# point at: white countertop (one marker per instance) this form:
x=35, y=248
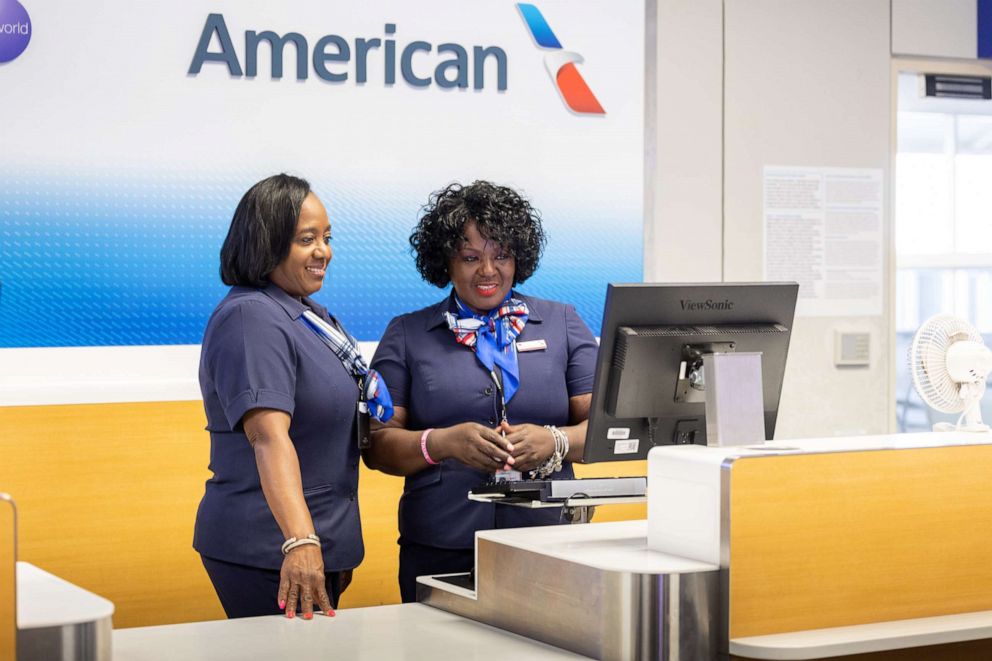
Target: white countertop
x=617, y=546
x=825, y=444
x=865, y=638
x=44, y=600
x=411, y=632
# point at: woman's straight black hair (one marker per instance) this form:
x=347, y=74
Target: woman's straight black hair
x=262, y=229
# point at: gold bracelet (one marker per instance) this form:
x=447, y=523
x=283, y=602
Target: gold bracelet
x=293, y=542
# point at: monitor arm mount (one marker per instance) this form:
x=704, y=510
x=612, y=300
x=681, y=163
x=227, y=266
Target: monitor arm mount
x=691, y=385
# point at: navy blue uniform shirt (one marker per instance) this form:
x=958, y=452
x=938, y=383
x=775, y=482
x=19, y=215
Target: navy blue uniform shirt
x=441, y=383
x=258, y=354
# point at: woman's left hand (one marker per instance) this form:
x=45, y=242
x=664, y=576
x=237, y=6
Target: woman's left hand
x=532, y=444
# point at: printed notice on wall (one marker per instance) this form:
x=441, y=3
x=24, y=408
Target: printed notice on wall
x=823, y=229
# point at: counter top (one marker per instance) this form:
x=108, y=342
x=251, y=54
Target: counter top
x=865, y=638
x=617, y=546
x=412, y=632
x=44, y=600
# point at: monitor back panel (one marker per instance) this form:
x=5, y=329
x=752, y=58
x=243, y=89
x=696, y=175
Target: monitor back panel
x=615, y=437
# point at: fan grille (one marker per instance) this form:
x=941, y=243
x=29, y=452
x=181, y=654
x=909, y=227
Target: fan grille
x=928, y=361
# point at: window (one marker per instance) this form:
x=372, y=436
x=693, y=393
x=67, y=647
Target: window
x=943, y=228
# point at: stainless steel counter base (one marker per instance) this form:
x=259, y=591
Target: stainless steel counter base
x=606, y=614
x=85, y=641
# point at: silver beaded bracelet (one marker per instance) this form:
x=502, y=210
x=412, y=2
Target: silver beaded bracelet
x=553, y=463
x=294, y=542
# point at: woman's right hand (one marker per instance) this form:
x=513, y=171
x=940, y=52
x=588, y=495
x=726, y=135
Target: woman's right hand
x=472, y=444
x=301, y=580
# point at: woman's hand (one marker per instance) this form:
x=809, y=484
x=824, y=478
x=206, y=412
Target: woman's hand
x=474, y=445
x=532, y=444
x=302, y=580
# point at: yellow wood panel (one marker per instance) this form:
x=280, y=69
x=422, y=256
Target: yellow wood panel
x=848, y=538
x=106, y=498
x=108, y=493
x=8, y=558
x=375, y=580
x=616, y=469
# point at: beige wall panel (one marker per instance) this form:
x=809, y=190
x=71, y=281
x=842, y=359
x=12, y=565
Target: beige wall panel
x=807, y=83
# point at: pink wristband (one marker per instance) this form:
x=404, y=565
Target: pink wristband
x=423, y=446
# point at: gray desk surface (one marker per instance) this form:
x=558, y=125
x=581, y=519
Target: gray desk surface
x=410, y=632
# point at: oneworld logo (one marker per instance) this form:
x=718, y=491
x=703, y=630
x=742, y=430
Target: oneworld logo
x=15, y=29
x=336, y=59
x=708, y=304
x=560, y=64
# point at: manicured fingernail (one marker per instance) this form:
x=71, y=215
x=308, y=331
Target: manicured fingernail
x=290, y=614
x=330, y=612
x=308, y=616
x=511, y=460
x=282, y=604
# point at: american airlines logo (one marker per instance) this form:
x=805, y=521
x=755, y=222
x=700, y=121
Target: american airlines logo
x=560, y=63
x=709, y=304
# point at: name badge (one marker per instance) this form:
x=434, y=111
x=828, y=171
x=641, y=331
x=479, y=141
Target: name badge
x=531, y=345
x=362, y=425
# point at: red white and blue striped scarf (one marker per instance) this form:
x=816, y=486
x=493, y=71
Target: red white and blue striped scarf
x=492, y=337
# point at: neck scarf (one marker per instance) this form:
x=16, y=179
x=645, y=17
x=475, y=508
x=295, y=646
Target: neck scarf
x=492, y=337
x=345, y=347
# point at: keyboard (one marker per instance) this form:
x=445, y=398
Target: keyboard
x=560, y=490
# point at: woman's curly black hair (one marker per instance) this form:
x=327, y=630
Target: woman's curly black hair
x=501, y=215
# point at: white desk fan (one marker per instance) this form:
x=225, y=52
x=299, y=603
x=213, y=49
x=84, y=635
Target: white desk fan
x=949, y=363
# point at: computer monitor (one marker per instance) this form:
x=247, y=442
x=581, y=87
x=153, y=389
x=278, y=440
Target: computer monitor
x=649, y=388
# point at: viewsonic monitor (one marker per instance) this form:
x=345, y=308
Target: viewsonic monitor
x=649, y=388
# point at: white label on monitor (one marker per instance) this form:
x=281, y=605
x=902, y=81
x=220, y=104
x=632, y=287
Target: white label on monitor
x=613, y=433
x=626, y=447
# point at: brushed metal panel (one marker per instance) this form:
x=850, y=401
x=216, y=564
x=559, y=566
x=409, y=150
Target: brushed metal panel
x=610, y=615
x=85, y=641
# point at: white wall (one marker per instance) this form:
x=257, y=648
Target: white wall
x=935, y=28
x=807, y=83
x=684, y=244
x=748, y=83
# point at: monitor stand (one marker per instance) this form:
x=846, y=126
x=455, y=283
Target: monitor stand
x=735, y=412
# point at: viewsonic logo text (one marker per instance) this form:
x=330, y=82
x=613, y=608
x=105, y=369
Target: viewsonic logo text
x=709, y=304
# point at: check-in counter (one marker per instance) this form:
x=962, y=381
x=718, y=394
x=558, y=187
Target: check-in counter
x=595, y=589
x=854, y=548
x=873, y=547
x=42, y=617
x=59, y=621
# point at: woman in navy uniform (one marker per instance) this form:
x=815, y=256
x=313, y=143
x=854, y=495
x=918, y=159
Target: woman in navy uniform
x=278, y=527
x=486, y=380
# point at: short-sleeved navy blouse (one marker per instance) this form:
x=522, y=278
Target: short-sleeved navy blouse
x=441, y=383
x=257, y=353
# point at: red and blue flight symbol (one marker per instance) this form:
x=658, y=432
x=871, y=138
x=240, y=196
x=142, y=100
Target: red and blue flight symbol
x=560, y=64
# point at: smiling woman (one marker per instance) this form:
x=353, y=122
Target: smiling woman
x=301, y=273
x=285, y=392
x=486, y=381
